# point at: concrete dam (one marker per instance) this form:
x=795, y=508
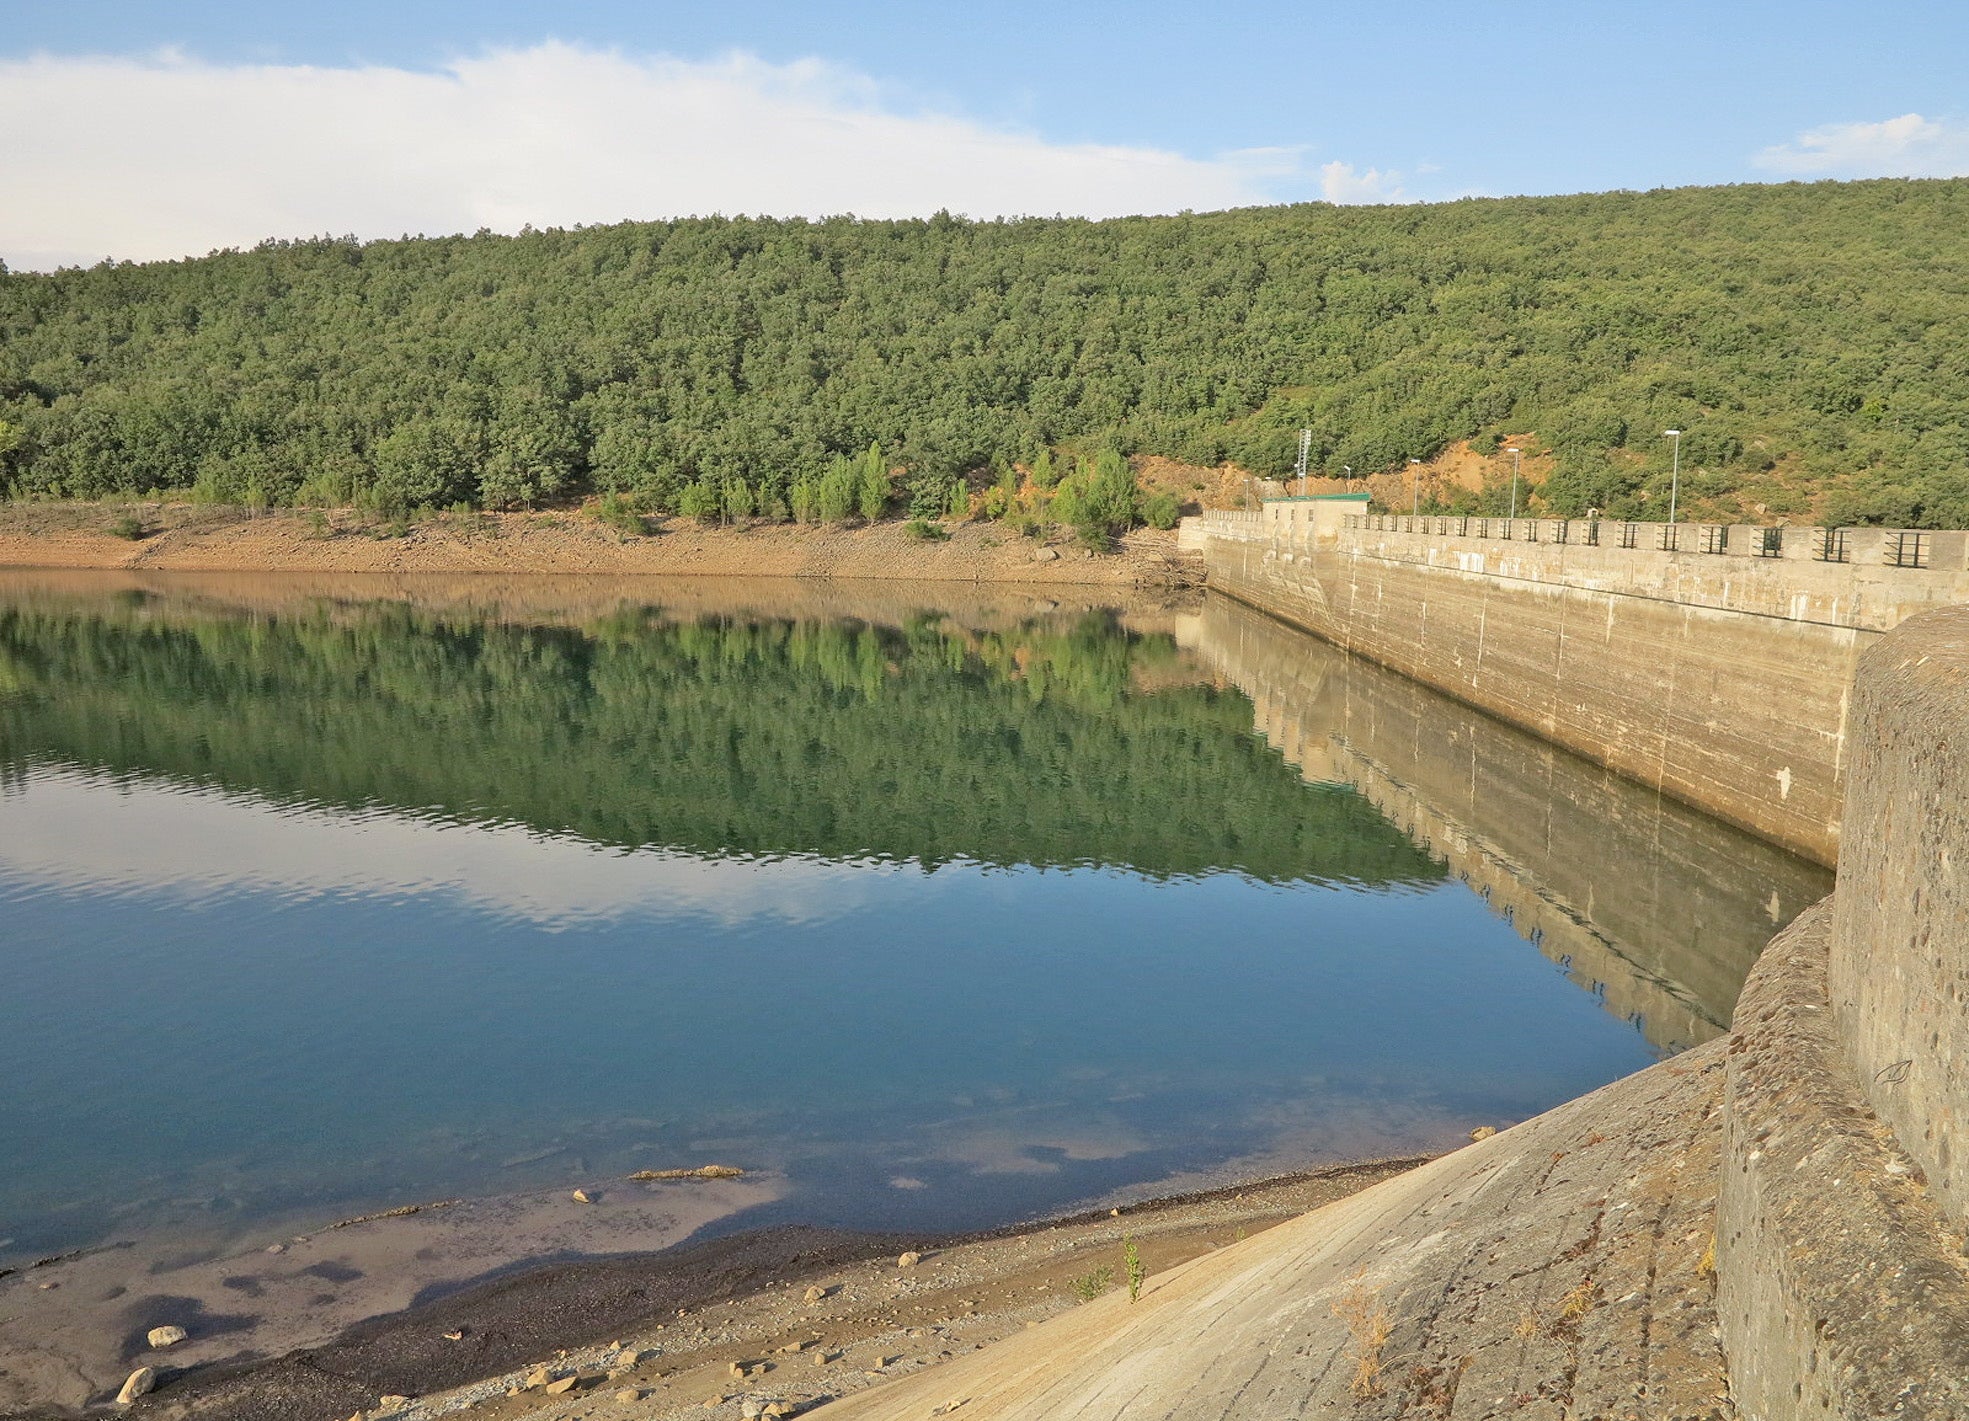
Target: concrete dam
x=1713, y=664
x=1768, y=1224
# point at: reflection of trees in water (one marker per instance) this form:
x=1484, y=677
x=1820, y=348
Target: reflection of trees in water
x=754, y=735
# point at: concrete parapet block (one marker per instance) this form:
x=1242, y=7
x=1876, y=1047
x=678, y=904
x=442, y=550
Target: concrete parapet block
x=1841, y=1290
x=1899, y=971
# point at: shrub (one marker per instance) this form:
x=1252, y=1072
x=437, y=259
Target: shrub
x=698, y=499
x=806, y=499
x=620, y=514
x=1090, y=1285
x=128, y=526
x=1161, y=510
x=923, y=531
x=836, y=499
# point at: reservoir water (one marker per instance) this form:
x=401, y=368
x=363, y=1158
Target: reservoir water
x=938, y=909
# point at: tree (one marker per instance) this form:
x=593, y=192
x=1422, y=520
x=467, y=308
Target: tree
x=872, y=487
x=428, y=463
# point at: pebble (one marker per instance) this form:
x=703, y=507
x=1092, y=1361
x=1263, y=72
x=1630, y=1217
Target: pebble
x=394, y=1400
x=909, y=1260
x=539, y=1376
x=139, y=1384
x=457, y=1334
x=276, y=1248
x=1046, y=555
x=629, y=1394
x=563, y=1386
x=815, y=1294
x=1483, y=1132
x=581, y=1196
x=167, y=1336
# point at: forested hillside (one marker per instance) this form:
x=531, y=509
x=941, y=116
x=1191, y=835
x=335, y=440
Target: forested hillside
x=1811, y=340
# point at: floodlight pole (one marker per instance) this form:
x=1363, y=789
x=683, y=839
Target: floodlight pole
x=1517, y=463
x=1675, y=479
x=1414, y=487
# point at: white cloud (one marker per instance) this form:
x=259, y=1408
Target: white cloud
x=166, y=156
x=1906, y=147
x=1342, y=182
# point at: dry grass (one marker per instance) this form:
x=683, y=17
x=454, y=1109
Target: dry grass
x=1368, y=1324
x=1577, y=1303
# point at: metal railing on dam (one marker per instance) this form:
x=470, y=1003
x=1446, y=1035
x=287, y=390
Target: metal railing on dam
x=1883, y=547
x=1871, y=579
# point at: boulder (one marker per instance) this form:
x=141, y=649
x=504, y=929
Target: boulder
x=140, y=1383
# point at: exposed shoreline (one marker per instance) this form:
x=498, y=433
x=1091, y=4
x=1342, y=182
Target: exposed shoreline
x=463, y=1344
x=189, y=538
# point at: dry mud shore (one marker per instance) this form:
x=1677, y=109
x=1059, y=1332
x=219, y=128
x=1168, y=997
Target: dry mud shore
x=720, y=1327
x=187, y=538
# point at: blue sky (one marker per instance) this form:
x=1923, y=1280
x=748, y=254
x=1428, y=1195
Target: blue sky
x=1103, y=106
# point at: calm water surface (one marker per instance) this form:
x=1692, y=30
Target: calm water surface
x=318, y=900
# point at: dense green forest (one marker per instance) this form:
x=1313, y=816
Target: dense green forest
x=926, y=742
x=1812, y=341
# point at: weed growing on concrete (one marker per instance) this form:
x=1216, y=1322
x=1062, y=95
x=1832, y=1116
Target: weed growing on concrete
x=1132, y=1257
x=1368, y=1324
x=1090, y=1285
x=1577, y=1303
x=1706, y=1265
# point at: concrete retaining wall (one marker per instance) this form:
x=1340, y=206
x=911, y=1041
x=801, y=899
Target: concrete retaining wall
x=1742, y=716
x=1899, y=972
x=1843, y=1288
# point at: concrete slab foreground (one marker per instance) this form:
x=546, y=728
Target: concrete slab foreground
x=1563, y=1268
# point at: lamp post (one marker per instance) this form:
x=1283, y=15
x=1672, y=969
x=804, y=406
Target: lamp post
x=1414, y=487
x=1348, y=470
x=1517, y=463
x=1675, y=479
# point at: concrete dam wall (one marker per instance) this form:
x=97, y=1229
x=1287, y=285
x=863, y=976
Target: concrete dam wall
x=1711, y=664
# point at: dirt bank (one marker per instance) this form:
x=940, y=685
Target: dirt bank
x=184, y=537
x=690, y=1315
